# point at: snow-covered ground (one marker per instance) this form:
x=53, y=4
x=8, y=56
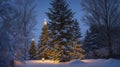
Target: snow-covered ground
x=74, y=63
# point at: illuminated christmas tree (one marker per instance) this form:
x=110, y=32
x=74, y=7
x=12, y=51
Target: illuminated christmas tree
x=64, y=29
x=43, y=44
x=32, y=50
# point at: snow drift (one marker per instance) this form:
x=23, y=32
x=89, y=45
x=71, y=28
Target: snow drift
x=75, y=63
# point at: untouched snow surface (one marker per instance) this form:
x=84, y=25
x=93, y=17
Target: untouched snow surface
x=74, y=63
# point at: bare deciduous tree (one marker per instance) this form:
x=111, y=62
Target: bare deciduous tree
x=105, y=14
x=7, y=15
x=24, y=24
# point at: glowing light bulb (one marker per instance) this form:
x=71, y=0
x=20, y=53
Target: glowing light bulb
x=45, y=22
x=33, y=39
x=43, y=59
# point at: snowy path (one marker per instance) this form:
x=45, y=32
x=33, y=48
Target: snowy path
x=76, y=63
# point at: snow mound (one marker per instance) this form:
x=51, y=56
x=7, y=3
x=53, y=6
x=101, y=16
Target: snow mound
x=76, y=62
x=113, y=60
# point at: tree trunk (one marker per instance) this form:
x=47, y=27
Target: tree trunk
x=108, y=29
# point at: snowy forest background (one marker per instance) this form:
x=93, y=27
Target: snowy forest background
x=60, y=38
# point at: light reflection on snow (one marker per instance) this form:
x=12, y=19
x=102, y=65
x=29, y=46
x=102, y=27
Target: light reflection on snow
x=87, y=60
x=41, y=61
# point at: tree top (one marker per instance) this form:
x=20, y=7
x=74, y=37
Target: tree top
x=45, y=22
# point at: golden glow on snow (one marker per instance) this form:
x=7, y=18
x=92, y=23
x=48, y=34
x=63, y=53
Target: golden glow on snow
x=87, y=60
x=45, y=61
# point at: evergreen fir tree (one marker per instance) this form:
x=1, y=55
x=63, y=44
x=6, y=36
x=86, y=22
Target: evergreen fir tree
x=62, y=28
x=93, y=42
x=33, y=50
x=76, y=32
x=43, y=45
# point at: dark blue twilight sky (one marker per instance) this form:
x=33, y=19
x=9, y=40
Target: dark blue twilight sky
x=42, y=7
